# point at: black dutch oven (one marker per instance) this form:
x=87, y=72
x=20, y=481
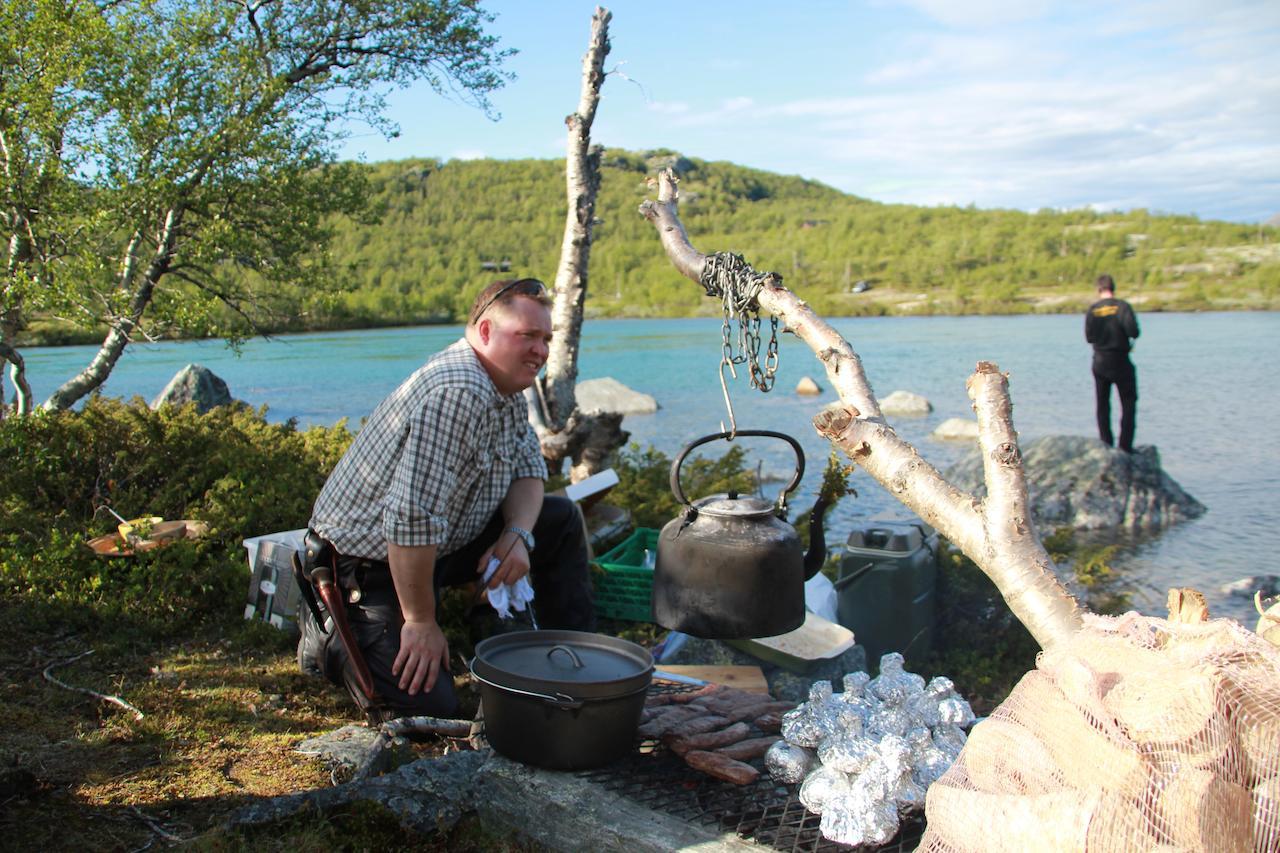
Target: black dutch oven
x=564, y=700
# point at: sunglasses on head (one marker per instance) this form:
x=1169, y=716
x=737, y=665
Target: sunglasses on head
x=521, y=287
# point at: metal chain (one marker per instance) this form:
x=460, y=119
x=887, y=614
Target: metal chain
x=730, y=277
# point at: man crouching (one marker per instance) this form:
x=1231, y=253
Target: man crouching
x=445, y=474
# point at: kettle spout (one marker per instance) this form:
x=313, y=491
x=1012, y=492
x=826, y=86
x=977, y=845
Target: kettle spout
x=817, y=554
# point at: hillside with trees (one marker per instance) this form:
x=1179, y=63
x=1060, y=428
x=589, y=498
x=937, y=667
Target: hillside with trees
x=448, y=227
x=439, y=230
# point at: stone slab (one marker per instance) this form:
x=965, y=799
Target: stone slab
x=561, y=811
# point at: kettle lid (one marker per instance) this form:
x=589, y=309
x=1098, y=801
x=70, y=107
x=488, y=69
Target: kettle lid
x=733, y=505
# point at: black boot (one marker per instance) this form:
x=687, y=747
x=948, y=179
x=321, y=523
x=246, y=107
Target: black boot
x=313, y=643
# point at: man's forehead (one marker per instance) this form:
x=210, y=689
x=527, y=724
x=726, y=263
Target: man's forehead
x=525, y=314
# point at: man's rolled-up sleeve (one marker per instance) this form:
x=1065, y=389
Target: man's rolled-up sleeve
x=426, y=476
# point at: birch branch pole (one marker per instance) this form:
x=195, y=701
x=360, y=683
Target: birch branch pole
x=582, y=184
x=563, y=431
x=997, y=534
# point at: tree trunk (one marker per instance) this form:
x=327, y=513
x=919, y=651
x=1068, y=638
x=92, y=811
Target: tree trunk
x=104, y=360
x=562, y=430
x=997, y=534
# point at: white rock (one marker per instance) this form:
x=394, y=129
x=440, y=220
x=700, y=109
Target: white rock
x=807, y=386
x=610, y=395
x=957, y=429
x=905, y=403
x=1268, y=585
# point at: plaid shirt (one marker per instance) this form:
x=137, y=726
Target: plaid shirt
x=432, y=463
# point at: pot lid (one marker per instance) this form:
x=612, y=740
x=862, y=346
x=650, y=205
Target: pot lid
x=733, y=505
x=574, y=663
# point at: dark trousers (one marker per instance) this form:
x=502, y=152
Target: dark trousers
x=1109, y=370
x=561, y=582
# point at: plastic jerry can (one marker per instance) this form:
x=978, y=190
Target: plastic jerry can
x=886, y=588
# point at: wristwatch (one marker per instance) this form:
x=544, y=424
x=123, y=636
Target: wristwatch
x=524, y=535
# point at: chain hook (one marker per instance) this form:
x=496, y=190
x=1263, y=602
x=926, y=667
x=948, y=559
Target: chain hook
x=728, y=404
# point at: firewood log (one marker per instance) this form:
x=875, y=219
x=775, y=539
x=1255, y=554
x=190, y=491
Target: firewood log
x=1087, y=752
x=1003, y=757
x=978, y=821
x=1266, y=815
x=1178, y=712
x=1202, y=811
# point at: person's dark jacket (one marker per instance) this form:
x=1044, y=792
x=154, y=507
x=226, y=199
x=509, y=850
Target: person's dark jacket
x=1110, y=325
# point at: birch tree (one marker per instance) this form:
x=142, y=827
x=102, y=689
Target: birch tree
x=996, y=533
x=198, y=140
x=564, y=431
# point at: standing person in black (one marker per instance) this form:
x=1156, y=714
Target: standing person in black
x=1110, y=326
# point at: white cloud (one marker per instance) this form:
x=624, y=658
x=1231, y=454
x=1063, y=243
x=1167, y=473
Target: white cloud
x=667, y=107
x=1050, y=118
x=468, y=154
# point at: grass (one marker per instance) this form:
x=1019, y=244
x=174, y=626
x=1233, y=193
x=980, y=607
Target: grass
x=224, y=711
x=223, y=714
x=221, y=717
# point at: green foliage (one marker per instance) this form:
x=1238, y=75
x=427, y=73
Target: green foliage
x=944, y=260
x=644, y=477
x=176, y=160
x=229, y=468
x=1090, y=565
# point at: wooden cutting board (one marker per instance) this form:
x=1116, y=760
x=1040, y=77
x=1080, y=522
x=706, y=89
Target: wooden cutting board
x=749, y=678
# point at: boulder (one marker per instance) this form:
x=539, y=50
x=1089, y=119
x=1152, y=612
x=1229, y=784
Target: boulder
x=610, y=395
x=905, y=403
x=1268, y=585
x=807, y=386
x=194, y=384
x=957, y=429
x=1082, y=483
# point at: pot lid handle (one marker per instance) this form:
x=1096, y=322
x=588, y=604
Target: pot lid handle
x=573, y=656
x=560, y=700
x=782, y=497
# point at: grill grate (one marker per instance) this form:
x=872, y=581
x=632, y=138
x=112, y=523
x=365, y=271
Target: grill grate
x=764, y=812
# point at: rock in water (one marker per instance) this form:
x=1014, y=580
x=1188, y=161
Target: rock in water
x=807, y=386
x=194, y=384
x=1079, y=482
x=610, y=395
x=957, y=429
x=906, y=403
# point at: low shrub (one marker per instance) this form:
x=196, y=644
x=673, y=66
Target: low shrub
x=229, y=468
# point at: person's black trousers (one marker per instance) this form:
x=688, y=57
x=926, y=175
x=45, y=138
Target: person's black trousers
x=559, y=574
x=1115, y=369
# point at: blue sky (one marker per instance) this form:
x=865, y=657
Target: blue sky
x=1173, y=106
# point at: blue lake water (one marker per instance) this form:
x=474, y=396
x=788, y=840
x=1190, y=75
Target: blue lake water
x=1207, y=388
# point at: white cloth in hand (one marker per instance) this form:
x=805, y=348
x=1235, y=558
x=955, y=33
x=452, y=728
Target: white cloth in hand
x=509, y=595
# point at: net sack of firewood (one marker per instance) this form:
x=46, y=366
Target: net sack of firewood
x=1135, y=734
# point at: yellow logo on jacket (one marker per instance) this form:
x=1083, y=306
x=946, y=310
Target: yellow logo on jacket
x=1105, y=310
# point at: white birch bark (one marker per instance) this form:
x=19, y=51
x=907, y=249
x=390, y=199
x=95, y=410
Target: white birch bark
x=99, y=368
x=997, y=534
x=582, y=182
x=563, y=431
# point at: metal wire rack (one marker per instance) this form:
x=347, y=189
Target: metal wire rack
x=764, y=812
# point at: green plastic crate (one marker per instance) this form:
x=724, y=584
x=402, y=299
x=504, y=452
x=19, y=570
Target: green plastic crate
x=625, y=586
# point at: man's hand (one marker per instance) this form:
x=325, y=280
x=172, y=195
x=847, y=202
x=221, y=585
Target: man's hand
x=515, y=560
x=423, y=652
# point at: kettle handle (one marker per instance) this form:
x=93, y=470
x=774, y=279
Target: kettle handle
x=795, y=445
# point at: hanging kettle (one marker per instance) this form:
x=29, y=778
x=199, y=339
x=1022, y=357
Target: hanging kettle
x=728, y=566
